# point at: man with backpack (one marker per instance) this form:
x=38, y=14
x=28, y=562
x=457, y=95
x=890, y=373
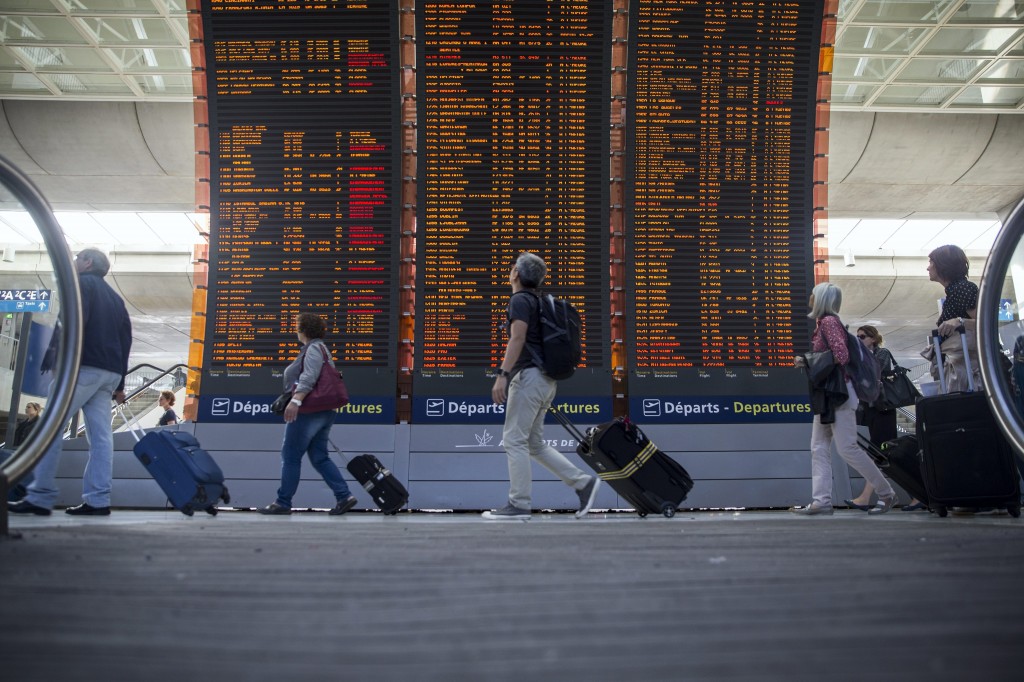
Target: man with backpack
x=528, y=391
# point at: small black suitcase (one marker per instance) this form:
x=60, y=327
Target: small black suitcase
x=387, y=492
x=966, y=459
x=900, y=460
x=632, y=465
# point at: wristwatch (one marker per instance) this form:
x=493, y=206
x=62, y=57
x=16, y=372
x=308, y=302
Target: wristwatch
x=296, y=402
x=503, y=373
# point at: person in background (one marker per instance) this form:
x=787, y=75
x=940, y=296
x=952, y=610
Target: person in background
x=830, y=334
x=25, y=426
x=308, y=432
x=881, y=423
x=167, y=402
x=948, y=265
x=106, y=343
x=527, y=393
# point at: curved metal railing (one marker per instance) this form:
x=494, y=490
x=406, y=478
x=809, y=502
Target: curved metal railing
x=997, y=388
x=66, y=371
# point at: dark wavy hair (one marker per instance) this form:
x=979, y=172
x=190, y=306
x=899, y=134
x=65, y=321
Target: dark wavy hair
x=950, y=262
x=311, y=326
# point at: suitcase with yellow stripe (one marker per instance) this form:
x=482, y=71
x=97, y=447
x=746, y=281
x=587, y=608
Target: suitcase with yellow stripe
x=632, y=465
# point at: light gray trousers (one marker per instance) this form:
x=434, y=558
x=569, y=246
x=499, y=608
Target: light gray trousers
x=529, y=395
x=844, y=433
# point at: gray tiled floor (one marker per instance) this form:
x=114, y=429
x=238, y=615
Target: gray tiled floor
x=704, y=596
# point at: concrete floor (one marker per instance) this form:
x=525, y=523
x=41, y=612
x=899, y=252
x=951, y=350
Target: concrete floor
x=747, y=595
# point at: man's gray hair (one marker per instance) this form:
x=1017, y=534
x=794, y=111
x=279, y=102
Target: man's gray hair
x=828, y=298
x=100, y=262
x=532, y=269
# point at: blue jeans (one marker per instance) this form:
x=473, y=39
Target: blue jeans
x=309, y=433
x=93, y=395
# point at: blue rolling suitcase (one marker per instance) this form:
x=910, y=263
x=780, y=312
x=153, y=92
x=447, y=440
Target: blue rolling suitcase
x=185, y=471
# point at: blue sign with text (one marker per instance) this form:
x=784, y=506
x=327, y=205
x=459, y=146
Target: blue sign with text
x=24, y=300
x=720, y=409
x=253, y=409
x=481, y=410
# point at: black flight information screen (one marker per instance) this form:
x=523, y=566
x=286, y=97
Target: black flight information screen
x=303, y=138
x=513, y=118
x=719, y=208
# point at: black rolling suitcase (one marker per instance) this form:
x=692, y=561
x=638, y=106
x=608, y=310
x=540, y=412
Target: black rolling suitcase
x=900, y=460
x=966, y=460
x=387, y=492
x=632, y=465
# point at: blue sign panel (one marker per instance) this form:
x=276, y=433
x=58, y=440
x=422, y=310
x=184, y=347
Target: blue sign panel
x=720, y=409
x=248, y=409
x=481, y=410
x=24, y=300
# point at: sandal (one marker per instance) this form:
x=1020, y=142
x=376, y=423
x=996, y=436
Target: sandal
x=917, y=506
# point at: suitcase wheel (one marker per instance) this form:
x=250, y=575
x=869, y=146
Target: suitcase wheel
x=224, y=495
x=1014, y=511
x=641, y=514
x=668, y=509
x=940, y=510
x=187, y=511
x=212, y=511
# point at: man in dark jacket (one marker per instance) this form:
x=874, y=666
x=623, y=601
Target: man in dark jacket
x=106, y=342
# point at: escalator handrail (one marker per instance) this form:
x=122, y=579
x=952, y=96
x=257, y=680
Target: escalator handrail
x=163, y=372
x=66, y=372
x=997, y=388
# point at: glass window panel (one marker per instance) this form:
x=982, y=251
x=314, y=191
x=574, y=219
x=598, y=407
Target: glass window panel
x=23, y=224
x=120, y=6
x=165, y=84
x=22, y=83
x=35, y=6
x=127, y=228
x=142, y=59
x=116, y=31
x=863, y=68
x=1017, y=49
x=958, y=70
x=915, y=94
x=80, y=83
x=972, y=41
x=914, y=234
x=173, y=228
x=879, y=39
x=80, y=228
x=845, y=7
x=46, y=58
x=961, y=232
x=17, y=29
x=838, y=228
x=990, y=96
x=1005, y=70
x=903, y=11
x=988, y=11
x=851, y=93
x=7, y=61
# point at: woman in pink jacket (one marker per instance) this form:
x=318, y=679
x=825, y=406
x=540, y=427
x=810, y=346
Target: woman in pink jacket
x=830, y=334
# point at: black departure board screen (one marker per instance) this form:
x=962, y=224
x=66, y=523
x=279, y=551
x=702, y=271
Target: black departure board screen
x=303, y=110
x=512, y=108
x=722, y=98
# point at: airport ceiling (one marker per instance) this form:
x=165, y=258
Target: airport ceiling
x=890, y=55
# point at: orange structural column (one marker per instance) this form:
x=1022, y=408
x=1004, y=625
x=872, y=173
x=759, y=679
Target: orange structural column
x=819, y=228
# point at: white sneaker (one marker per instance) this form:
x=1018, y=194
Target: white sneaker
x=507, y=513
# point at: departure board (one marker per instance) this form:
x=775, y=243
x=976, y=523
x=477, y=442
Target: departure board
x=303, y=111
x=719, y=206
x=512, y=107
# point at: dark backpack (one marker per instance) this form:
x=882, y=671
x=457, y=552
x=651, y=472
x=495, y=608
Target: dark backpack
x=560, y=337
x=863, y=369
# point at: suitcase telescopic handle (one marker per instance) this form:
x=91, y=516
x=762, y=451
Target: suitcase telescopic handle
x=569, y=426
x=338, y=450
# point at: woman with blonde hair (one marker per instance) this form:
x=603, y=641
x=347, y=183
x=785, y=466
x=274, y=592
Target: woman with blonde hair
x=836, y=421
